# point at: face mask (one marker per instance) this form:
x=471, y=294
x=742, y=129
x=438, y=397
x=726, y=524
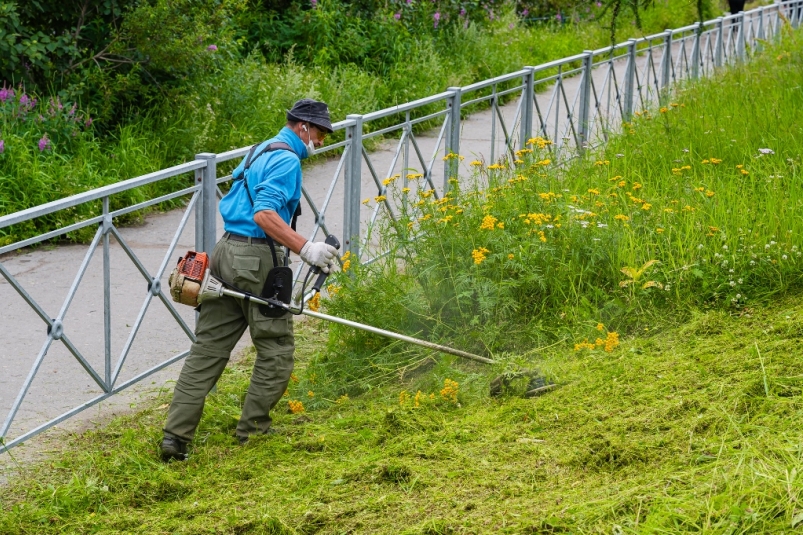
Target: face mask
x=310, y=144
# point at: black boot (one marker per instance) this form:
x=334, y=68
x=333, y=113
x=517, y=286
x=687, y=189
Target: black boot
x=173, y=448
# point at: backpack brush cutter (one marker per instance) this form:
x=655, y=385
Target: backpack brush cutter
x=192, y=283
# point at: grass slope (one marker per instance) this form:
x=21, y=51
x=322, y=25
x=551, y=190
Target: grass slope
x=680, y=428
x=691, y=430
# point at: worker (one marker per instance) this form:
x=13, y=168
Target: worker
x=257, y=215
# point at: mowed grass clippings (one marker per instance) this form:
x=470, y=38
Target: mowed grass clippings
x=692, y=430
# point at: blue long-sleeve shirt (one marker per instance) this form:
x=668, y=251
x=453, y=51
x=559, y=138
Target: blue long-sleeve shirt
x=274, y=180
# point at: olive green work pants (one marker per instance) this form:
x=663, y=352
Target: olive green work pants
x=221, y=323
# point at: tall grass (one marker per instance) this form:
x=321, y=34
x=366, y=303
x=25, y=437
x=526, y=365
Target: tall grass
x=695, y=206
x=244, y=101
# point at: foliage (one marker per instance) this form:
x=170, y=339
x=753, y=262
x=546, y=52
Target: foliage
x=672, y=432
x=524, y=253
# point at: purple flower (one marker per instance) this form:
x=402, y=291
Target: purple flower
x=599, y=4
x=24, y=100
x=437, y=17
x=510, y=26
x=6, y=94
x=2, y=146
x=559, y=17
x=525, y=12
x=397, y=16
x=88, y=122
x=44, y=143
x=409, y=2
x=313, y=3
x=462, y=12
x=212, y=48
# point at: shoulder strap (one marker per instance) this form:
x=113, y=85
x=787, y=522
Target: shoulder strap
x=250, y=159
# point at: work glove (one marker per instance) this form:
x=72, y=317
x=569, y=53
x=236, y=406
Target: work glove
x=319, y=254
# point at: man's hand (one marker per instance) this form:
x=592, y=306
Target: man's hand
x=319, y=254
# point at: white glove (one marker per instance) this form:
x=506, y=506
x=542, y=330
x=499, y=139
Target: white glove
x=319, y=254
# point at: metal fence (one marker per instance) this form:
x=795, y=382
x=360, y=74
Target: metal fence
x=577, y=102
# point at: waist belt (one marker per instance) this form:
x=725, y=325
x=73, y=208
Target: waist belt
x=247, y=239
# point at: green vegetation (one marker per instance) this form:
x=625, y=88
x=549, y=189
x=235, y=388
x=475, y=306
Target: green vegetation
x=682, y=417
x=214, y=89
x=684, y=211
x=692, y=430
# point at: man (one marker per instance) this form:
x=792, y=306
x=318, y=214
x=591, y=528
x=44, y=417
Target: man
x=258, y=208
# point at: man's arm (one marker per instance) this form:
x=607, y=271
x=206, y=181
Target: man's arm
x=275, y=227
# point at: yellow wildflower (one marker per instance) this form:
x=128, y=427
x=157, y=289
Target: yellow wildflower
x=314, y=304
x=593, y=191
x=405, y=190
x=600, y=327
x=542, y=236
x=709, y=193
x=380, y=198
x=611, y=341
x=659, y=230
x=295, y=406
x=310, y=393
x=476, y=163
x=449, y=391
x=511, y=256
x=621, y=217
x=636, y=185
x=404, y=397
x=479, y=255
x=488, y=222
x=366, y=201
x=646, y=206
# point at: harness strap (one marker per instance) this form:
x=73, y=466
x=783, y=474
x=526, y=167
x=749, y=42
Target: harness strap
x=250, y=159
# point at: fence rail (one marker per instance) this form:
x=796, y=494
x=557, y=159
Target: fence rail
x=577, y=102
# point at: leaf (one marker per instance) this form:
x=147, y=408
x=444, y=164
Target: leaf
x=648, y=264
x=797, y=519
x=630, y=272
x=623, y=284
x=652, y=284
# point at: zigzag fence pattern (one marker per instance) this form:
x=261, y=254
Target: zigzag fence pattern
x=614, y=83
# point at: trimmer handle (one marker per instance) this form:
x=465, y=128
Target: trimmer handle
x=333, y=241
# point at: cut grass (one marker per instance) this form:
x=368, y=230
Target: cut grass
x=672, y=432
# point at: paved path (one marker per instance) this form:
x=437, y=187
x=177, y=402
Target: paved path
x=47, y=273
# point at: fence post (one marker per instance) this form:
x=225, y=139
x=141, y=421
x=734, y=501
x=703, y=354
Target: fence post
x=741, y=44
x=760, y=34
x=352, y=186
x=583, y=128
x=666, y=70
x=630, y=80
x=452, y=167
x=526, y=130
x=695, y=52
x=208, y=201
x=720, y=43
